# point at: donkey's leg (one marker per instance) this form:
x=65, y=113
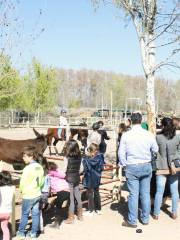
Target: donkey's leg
x=50, y=153
x=63, y=149
x=55, y=148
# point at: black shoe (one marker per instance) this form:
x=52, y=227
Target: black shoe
x=144, y=223
x=126, y=224
x=55, y=225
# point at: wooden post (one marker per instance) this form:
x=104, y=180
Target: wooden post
x=13, y=216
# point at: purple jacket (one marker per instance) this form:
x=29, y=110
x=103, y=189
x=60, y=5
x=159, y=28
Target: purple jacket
x=57, y=181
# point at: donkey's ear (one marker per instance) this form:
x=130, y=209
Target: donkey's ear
x=36, y=132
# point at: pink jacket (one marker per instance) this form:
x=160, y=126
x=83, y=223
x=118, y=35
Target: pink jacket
x=57, y=181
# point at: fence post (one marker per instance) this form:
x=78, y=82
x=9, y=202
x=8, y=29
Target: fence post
x=13, y=216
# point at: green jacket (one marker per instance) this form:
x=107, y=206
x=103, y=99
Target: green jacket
x=32, y=181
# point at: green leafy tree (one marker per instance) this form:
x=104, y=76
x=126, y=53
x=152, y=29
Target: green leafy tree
x=10, y=84
x=45, y=87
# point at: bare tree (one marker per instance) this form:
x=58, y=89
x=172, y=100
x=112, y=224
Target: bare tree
x=157, y=25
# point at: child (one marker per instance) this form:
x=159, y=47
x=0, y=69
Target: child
x=46, y=186
x=58, y=185
x=45, y=189
x=6, y=197
x=31, y=183
x=72, y=162
x=93, y=166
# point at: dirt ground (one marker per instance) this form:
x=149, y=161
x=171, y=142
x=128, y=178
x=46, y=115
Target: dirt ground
x=108, y=225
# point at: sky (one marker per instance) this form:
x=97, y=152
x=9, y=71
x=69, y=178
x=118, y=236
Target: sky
x=76, y=36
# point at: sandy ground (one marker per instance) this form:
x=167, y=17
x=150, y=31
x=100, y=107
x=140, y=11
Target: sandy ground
x=108, y=225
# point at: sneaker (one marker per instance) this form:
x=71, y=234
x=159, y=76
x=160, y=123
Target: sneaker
x=19, y=236
x=31, y=236
x=98, y=212
x=88, y=214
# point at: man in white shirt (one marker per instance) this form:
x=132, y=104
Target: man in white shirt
x=62, y=123
x=62, y=119
x=134, y=153
x=94, y=136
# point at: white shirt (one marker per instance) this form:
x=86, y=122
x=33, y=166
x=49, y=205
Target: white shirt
x=63, y=121
x=6, y=198
x=136, y=146
x=94, y=137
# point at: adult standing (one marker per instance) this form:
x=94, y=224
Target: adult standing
x=62, y=119
x=63, y=123
x=169, y=146
x=135, y=154
x=94, y=136
x=122, y=129
x=104, y=136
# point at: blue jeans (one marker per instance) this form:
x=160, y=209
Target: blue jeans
x=27, y=206
x=138, y=177
x=160, y=186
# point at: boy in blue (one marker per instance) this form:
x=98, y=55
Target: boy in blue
x=93, y=166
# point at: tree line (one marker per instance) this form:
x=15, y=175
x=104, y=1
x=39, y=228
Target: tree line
x=44, y=88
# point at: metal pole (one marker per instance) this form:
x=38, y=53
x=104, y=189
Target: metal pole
x=111, y=106
x=126, y=109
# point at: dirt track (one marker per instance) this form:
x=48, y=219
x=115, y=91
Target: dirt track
x=108, y=225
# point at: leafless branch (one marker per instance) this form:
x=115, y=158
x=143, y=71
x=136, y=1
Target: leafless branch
x=163, y=31
x=166, y=61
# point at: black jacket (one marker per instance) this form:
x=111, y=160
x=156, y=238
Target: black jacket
x=72, y=172
x=104, y=136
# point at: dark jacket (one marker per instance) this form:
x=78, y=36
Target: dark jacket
x=168, y=151
x=92, y=170
x=72, y=172
x=104, y=136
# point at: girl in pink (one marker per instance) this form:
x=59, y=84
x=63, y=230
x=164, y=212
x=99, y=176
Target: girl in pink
x=6, y=197
x=59, y=186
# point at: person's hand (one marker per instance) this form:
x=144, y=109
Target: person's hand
x=81, y=178
x=173, y=170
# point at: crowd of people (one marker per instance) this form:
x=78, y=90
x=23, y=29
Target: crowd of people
x=135, y=148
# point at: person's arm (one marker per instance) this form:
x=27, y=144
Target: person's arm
x=65, y=164
x=57, y=173
x=81, y=170
x=23, y=180
x=154, y=146
x=122, y=152
x=106, y=137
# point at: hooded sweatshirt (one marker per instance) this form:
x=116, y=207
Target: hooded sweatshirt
x=93, y=167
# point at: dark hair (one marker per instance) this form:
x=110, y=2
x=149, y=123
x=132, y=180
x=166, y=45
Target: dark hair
x=169, y=129
x=72, y=149
x=123, y=127
x=95, y=126
x=30, y=151
x=43, y=162
x=63, y=111
x=136, y=118
x=5, y=178
x=100, y=122
x=52, y=166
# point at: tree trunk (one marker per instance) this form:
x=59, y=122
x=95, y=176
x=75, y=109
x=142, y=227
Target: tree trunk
x=150, y=78
x=150, y=102
x=148, y=62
